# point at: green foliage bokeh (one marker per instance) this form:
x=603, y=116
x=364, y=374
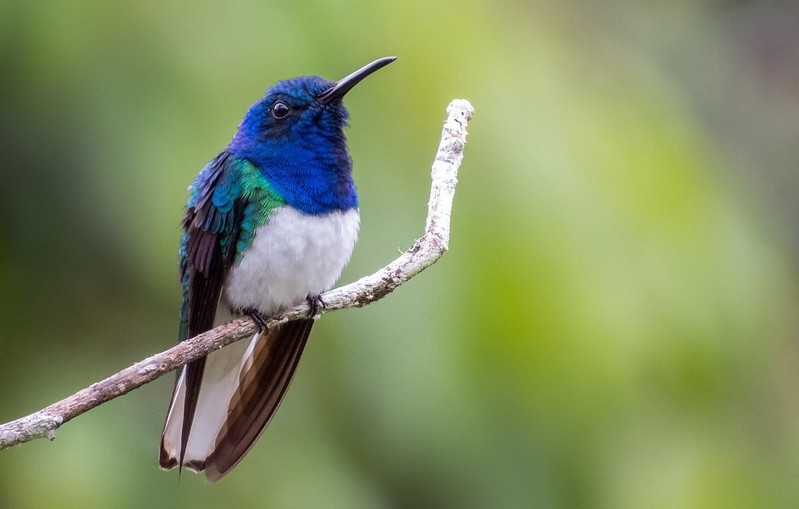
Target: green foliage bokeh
x=613, y=327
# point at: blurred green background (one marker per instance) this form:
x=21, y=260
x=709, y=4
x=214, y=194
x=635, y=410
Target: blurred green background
x=615, y=325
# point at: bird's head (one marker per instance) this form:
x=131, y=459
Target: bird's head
x=299, y=117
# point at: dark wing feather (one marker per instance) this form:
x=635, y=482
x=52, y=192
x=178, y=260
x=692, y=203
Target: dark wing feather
x=211, y=227
x=260, y=392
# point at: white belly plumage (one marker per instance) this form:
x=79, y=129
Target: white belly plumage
x=294, y=255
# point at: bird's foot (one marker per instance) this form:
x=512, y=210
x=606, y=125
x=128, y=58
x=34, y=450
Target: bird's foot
x=258, y=318
x=316, y=303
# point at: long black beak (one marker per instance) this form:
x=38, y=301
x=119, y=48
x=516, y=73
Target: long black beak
x=344, y=85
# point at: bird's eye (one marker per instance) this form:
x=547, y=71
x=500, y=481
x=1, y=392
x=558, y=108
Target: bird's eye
x=280, y=110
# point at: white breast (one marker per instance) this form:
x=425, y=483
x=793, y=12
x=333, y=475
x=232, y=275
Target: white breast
x=294, y=255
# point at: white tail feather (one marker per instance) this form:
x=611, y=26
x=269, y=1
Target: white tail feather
x=220, y=380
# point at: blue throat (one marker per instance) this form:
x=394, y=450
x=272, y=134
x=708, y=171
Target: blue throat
x=314, y=182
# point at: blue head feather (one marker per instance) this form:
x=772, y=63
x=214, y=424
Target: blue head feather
x=302, y=155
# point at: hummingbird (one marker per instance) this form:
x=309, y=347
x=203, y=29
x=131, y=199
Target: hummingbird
x=270, y=222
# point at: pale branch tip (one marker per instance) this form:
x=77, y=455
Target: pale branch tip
x=424, y=252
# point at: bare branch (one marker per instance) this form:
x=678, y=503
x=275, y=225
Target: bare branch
x=424, y=252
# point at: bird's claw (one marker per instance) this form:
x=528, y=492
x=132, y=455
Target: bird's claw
x=258, y=318
x=316, y=303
